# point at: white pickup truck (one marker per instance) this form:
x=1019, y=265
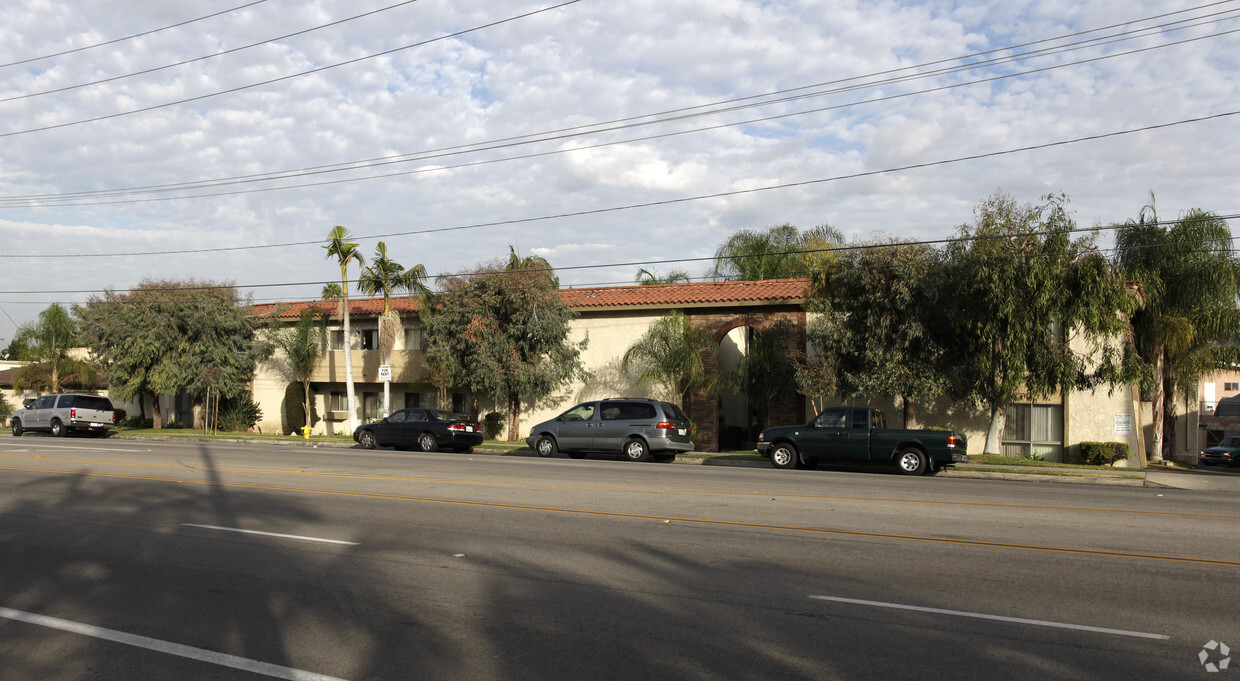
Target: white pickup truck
x=60, y=413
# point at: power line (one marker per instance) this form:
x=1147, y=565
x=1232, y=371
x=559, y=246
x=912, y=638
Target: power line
x=650, y=204
x=209, y=56
x=128, y=37
x=76, y=198
x=290, y=76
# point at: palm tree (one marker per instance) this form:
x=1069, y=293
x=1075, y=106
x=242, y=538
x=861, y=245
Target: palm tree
x=345, y=251
x=48, y=340
x=779, y=252
x=647, y=278
x=669, y=355
x=1190, y=277
x=383, y=276
x=301, y=347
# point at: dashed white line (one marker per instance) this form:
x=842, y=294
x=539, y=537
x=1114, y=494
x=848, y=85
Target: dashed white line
x=271, y=534
x=208, y=656
x=999, y=618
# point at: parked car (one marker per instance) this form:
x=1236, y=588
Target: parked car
x=61, y=413
x=861, y=434
x=1225, y=452
x=426, y=429
x=638, y=428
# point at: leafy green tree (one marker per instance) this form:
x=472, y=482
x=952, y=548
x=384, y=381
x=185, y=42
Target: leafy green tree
x=1190, y=277
x=299, y=349
x=345, y=252
x=882, y=299
x=382, y=277
x=171, y=337
x=502, y=330
x=646, y=277
x=49, y=341
x=669, y=356
x=1017, y=289
x=779, y=252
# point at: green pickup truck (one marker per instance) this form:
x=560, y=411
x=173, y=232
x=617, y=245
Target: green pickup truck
x=861, y=434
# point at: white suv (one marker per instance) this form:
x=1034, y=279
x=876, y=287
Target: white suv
x=60, y=413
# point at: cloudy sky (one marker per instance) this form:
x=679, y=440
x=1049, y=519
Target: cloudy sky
x=222, y=140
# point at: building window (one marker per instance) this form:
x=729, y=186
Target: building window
x=1034, y=431
x=337, y=401
x=413, y=400
x=1231, y=387
x=413, y=338
x=370, y=339
x=335, y=339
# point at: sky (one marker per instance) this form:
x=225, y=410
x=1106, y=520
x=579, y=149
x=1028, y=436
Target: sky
x=221, y=140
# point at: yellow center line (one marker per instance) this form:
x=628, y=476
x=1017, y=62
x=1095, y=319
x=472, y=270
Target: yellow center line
x=612, y=488
x=668, y=519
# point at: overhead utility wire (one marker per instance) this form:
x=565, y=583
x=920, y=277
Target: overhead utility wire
x=209, y=56
x=128, y=37
x=290, y=76
x=651, y=204
x=840, y=248
x=77, y=200
x=595, y=128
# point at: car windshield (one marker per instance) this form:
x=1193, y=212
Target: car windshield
x=1230, y=442
x=448, y=416
x=676, y=412
x=91, y=402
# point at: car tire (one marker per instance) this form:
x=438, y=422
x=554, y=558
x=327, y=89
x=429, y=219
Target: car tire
x=784, y=455
x=545, y=446
x=16, y=424
x=366, y=439
x=426, y=442
x=57, y=429
x=576, y=455
x=912, y=461
x=636, y=449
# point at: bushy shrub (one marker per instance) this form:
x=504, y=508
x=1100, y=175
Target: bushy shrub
x=6, y=409
x=493, y=424
x=239, y=414
x=121, y=415
x=1104, y=453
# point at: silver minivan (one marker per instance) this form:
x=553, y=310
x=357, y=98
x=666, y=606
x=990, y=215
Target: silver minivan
x=638, y=428
x=60, y=413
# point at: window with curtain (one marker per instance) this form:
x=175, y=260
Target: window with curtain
x=1034, y=430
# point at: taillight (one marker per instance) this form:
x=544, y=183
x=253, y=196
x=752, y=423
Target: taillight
x=456, y=426
x=113, y=417
x=73, y=413
x=951, y=440
x=666, y=425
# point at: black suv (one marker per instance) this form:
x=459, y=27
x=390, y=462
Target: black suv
x=638, y=428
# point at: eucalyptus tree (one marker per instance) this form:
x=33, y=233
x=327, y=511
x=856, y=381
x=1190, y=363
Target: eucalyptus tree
x=669, y=356
x=49, y=341
x=382, y=277
x=1017, y=289
x=882, y=300
x=300, y=347
x=647, y=277
x=345, y=252
x=503, y=330
x=1190, y=279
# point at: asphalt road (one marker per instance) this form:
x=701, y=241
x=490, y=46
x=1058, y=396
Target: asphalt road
x=124, y=559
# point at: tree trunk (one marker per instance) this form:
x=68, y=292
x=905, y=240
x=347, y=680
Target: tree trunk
x=200, y=419
x=350, y=395
x=306, y=387
x=994, y=436
x=1168, y=450
x=514, y=418
x=910, y=413
x=1156, y=409
x=157, y=414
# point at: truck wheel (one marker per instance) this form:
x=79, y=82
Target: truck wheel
x=545, y=446
x=784, y=455
x=912, y=461
x=17, y=427
x=58, y=428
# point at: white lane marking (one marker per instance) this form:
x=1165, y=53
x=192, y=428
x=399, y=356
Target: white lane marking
x=1000, y=618
x=208, y=656
x=69, y=447
x=271, y=534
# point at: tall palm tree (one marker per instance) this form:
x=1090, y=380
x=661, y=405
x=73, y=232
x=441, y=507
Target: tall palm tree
x=383, y=276
x=646, y=277
x=49, y=340
x=301, y=346
x=345, y=251
x=669, y=355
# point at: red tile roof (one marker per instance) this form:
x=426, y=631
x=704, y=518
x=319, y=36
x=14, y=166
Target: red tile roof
x=703, y=294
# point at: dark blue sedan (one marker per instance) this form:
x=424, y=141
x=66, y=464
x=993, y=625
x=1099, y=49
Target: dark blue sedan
x=426, y=429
